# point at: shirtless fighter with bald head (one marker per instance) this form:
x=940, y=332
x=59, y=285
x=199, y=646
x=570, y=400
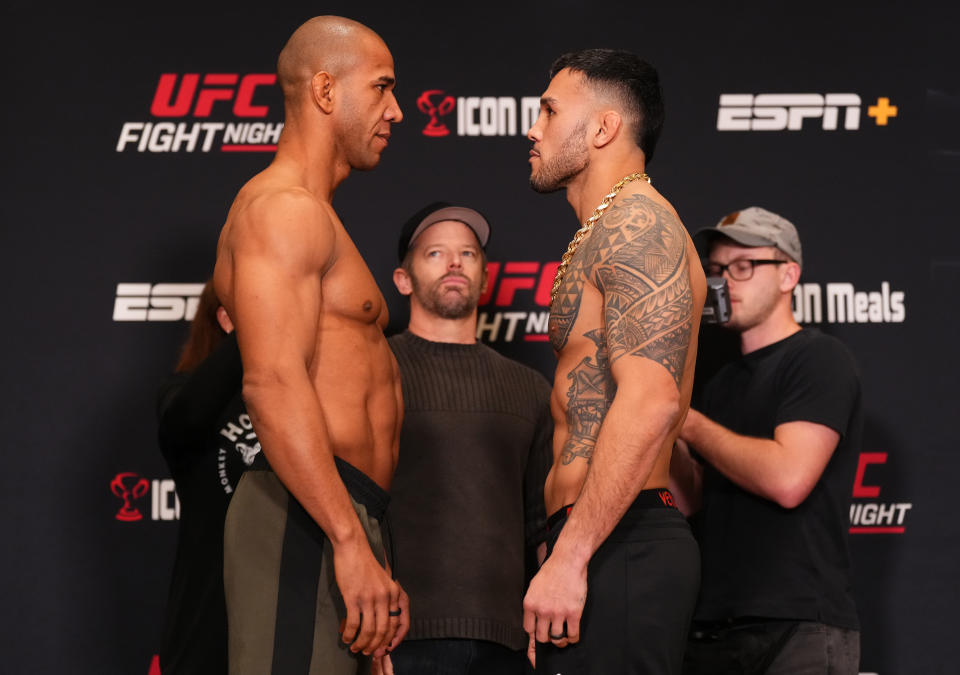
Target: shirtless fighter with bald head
x=304, y=557
x=616, y=592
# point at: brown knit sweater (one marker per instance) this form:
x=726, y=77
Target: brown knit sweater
x=466, y=505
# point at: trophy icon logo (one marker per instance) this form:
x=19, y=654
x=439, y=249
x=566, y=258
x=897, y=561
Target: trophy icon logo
x=129, y=486
x=427, y=105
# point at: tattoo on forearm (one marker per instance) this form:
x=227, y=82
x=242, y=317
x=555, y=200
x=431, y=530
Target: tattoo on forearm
x=588, y=399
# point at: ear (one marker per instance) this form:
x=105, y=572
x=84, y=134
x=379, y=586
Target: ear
x=402, y=281
x=791, y=276
x=608, y=128
x=322, y=88
x=224, y=320
x=483, y=281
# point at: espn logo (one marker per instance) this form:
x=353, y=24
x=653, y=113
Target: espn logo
x=156, y=302
x=777, y=112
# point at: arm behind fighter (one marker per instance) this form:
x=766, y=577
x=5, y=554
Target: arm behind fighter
x=784, y=469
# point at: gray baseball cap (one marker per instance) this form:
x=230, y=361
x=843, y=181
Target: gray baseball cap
x=753, y=226
x=433, y=213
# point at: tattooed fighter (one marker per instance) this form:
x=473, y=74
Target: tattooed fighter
x=617, y=590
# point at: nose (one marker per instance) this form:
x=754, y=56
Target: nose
x=393, y=112
x=534, y=134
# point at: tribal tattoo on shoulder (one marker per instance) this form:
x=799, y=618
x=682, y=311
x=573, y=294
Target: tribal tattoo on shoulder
x=588, y=399
x=637, y=256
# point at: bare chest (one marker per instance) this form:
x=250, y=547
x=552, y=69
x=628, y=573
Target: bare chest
x=350, y=292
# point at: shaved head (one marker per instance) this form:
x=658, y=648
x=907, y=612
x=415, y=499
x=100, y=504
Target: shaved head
x=330, y=43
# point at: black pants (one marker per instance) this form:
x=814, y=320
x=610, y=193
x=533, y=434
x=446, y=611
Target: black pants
x=642, y=585
x=450, y=656
x=757, y=646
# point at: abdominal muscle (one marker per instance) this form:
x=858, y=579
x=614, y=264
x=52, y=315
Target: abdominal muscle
x=355, y=377
x=565, y=481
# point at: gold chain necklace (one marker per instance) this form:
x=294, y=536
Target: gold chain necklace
x=587, y=227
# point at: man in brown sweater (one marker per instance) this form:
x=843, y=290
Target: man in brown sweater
x=466, y=509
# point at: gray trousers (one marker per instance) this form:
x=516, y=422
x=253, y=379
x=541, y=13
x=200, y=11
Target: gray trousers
x=284, y=609
x=815, y=649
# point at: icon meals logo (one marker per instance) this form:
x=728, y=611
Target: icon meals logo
x=846, y=304
x=199, y=97
x=130, y=488
x=779, y=112
x=478, y=115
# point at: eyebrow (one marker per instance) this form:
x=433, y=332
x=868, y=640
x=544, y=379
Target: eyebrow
x=547, y=100
x=384, y=79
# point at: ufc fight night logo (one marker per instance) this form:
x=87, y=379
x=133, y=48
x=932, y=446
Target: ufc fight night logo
x=873, y=517
x=239, y=101
x=512, y=287
x=796, y=112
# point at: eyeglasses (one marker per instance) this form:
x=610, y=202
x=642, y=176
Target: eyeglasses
x=740, y=269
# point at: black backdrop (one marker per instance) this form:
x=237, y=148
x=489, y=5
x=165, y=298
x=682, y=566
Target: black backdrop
x=95, y=231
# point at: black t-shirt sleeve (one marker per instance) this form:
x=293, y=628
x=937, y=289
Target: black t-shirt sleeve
x=189, y=405
x=819, y=383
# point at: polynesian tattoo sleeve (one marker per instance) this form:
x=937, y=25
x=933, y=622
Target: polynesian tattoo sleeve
x=637, y=257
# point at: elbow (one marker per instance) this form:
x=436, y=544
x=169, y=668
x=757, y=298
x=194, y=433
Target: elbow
x=671, y=410
x=257, y=387
x=663, y=413
x=791, y=492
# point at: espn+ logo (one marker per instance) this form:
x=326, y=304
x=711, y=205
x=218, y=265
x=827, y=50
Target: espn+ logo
x=788, y=112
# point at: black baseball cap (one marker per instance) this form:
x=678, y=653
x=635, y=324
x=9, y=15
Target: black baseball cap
x=431, y=214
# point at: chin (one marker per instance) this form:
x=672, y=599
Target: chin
x=539, y=186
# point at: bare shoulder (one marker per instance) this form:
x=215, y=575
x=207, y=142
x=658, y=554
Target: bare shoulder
x=641, y=264
x=283, y=222
x=642, y=218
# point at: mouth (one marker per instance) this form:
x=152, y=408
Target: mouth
x=457, y=281
x=534, y=154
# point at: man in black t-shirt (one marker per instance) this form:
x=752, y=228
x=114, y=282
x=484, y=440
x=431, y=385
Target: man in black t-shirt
x=777, y=439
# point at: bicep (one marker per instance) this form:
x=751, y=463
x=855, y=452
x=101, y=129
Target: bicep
x=275, y=311
x=648, y=301
x=276, y=292
x=809, y=446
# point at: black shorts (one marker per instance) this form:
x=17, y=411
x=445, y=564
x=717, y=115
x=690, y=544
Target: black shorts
x=642, y=586
x=283, y=605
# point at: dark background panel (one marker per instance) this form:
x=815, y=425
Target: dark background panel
x=84, y=592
